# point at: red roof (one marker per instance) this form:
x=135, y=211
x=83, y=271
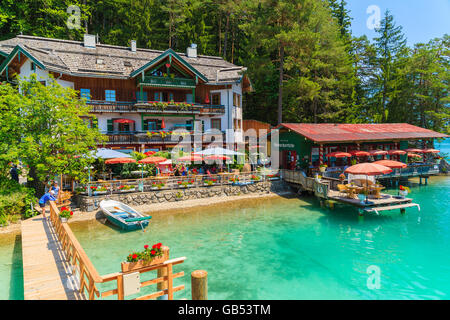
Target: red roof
x=331, y=132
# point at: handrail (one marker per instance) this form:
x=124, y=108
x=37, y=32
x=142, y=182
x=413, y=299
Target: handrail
x=88, y=275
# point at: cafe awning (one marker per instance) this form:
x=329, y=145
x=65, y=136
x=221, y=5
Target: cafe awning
x=124, y=121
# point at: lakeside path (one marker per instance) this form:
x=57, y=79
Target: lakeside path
x=165, y=207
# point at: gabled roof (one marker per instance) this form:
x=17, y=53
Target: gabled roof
x=333, y=132
x=168, y=53
x=73, y=58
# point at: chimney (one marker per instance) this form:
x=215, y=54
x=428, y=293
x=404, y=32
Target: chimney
x=89, y=41
x=191, y=51
x=133, y=46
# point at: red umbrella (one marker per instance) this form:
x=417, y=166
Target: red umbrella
x=190, y=158
x=430, y=151
x=149, y=153
x=414, y=155
x=120, y=160
x=153, y=160
x=163, y=124
x=378, y=152
x=359, y=153
x=217, y=157
x=391, y=164
x=368, y=169
x=339, y=154
x=396, y=152
x=413, y=150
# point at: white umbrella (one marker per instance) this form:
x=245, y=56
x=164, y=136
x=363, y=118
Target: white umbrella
x=218, y=151
x=109, y=154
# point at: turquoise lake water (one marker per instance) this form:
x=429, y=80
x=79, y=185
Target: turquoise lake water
x=283, y=249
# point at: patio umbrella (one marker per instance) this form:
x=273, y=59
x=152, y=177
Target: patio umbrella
x=339, y=154
x=149, y=153
x=119, y=160
x=396, y=152
x=378, y=152
x=368, y=169
x=190, y=158
x=218, y=151
x=414, y=155
x=105, y=153
x=153, y=160
x=391, y=164
x=217, y=157
x=430, y=151
x=413, y=150
x=359, y=153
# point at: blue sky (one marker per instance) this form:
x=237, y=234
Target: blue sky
x=422, y=20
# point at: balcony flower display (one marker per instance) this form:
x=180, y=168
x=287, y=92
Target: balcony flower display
x=186, y=183
x=210, y=182
x=157, y=185
x=323, y=167
x=80, y=190
x=65, y=214
x=125, y=188
x=255, y=177
x=273, y=176
x=234, y=180
x=157, y=254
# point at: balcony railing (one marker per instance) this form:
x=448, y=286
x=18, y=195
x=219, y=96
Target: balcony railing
x=167, y=82
x=134, y=137
x=155, y=107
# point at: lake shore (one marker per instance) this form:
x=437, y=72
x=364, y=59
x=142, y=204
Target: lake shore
x=165, y=207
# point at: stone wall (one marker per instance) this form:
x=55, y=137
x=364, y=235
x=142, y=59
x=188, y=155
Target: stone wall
x=86, y=203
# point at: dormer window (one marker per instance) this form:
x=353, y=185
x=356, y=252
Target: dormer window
x=99, y=61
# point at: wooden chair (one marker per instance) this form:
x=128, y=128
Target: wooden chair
x=64, y=199
x=343, y=191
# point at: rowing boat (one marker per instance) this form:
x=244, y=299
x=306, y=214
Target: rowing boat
x=123, y=216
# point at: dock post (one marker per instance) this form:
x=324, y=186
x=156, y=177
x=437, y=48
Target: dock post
x=426, y=181
x=162, y=272
x=360, y=213
x=402, y=210
x=420, y=180
x=199, y=285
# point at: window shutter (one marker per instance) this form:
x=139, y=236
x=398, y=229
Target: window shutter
x=110, y=125
x=158, y=125
x=145, y=125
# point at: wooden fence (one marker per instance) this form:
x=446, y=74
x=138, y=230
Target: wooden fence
x=89, y=277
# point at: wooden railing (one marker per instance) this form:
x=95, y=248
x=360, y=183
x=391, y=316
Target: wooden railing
x=178, y=182
x=89, y=277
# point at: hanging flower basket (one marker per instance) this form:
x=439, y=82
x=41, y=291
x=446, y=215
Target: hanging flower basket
x=149, y=257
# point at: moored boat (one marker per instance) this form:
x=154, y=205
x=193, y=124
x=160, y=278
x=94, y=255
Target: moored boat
x=123, y=216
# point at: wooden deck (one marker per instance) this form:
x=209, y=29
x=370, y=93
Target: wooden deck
x=46, y=273
x=386, y=200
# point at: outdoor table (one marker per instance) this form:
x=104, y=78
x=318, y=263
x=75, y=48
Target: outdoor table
x=352, y=191
x=377, y=189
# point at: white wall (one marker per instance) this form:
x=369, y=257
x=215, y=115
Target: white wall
x=42, y=75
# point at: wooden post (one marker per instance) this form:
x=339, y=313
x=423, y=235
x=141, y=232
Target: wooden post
x=199, y=285
x=120, y=293
x=162, y=272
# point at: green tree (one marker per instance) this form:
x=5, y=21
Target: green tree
x=47, y=130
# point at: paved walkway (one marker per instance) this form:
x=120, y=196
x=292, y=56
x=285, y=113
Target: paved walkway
x=46, y=273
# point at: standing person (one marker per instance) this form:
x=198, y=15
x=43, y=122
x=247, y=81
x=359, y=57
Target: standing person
x=48, y=196
x=13, y=172
x=55, y=189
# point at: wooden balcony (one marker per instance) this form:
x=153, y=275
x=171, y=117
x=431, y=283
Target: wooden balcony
x=139, y=137
x=167, y=82
x=100, y=106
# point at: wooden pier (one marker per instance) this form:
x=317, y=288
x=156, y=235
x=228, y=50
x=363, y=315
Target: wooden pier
x=46, y=273
x=324, y=190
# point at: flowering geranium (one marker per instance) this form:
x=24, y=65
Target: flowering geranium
x=210, y=181
x=255, y=178
x=65, y=213
x=147, y=255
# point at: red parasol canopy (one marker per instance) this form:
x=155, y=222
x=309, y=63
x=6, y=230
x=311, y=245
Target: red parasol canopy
x=378, y=152
x=119, y=160
x=163, y=124
x=123, y=121
x=414, y=155
x=396, y=152
x=430, y=151
x=339, y=154
x=413, y=150
x=190, y=158
x=369, y=169
x=153, y=160
x=391, y=164
x=217, y=157
x=149, y=153
x=359, y=153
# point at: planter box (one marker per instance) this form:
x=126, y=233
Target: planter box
x=128, y=190
x=156, y=188
x=63, y=220
x=100, y=192
x=184, y=187
x=208, y=185
x=130, y=266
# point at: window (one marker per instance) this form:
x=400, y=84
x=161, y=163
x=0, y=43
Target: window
x=189, y=98
x=215, y=98
x=237, y=123
x=216, y=124
x=110, y=95
x=144, y=95
x=236, y=99
x=85, y=93
x=171, y=96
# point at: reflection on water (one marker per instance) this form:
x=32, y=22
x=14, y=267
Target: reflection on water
x=11, y=270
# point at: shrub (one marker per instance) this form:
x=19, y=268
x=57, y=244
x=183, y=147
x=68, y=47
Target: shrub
x=15, y=200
